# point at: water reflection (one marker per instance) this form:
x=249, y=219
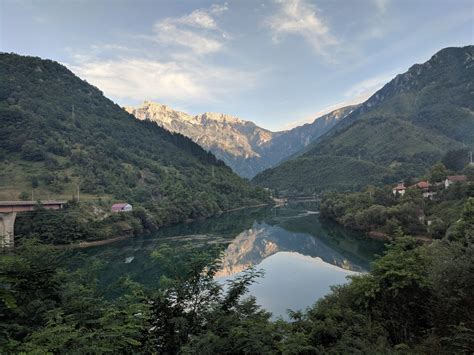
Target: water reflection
x=261, y=241
x=295, y=281
x=301, y=255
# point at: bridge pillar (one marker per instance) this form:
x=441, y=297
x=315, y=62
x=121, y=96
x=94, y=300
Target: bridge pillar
x=7, y=225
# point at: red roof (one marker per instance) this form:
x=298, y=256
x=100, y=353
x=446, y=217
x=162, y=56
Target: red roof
x=119, y=205
x=457, y=178
x=423, y=184
x=400, y=187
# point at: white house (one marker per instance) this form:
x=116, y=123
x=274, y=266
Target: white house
x=454, y=179
x=399, y=189
x=121, y=207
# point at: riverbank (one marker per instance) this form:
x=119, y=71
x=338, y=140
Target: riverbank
x=99, y=242
x=385, y=237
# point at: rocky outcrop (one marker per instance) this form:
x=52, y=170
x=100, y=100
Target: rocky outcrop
x=247, y=148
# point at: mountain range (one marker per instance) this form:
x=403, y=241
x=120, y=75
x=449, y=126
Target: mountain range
x=247, y=148
x=59, y=133
x=397, y=133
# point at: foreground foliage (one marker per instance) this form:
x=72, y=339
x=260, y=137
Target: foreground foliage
x=417, y=299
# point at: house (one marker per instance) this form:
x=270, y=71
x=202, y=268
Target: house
x=429, y=194
x=454, y=179
x=121, y=207
x=422, y=185
x=399, y=189
x=426, y=188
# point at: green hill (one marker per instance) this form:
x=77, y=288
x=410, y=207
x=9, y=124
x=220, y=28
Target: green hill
x=401, y=130
x=58, y=133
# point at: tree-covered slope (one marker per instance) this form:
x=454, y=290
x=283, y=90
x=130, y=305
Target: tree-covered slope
x=404, y=127
x=58, y=133
x=307, y=174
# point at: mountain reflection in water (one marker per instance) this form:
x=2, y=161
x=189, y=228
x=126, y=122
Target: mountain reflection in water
x=301, y=255
x=301, y=262
x=261, y=241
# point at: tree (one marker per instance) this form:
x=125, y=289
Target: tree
x=456, y=160
x=438, y=172
x=24, y=196
x=32, y=151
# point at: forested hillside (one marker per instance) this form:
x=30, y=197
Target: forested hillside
x=401, y=130
x=60, y=135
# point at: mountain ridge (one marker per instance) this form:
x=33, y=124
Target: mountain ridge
x=241, y=144
x=405, y=127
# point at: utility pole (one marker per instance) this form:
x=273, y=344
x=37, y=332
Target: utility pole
x=470, y=154
x=78, y=192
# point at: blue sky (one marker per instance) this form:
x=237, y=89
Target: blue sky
x=277, y=63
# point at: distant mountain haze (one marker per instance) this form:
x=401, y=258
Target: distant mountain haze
x=398, y=132
x=247, y=148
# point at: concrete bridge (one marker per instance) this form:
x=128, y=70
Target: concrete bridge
x=8, y=211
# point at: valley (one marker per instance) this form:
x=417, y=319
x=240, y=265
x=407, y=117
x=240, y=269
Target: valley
x=180, y=233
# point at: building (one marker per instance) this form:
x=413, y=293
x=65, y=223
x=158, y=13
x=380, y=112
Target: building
x=454, y=179
x=399, y=189
x=422, y=185
x=426, y=188
x=121, y=207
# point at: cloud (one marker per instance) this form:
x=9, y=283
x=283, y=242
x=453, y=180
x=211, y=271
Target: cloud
x=367, y=87
x=356, y=94
x=169, y=65
x=197, y=31
x=381, y=5
x=166, y=81
x=310, y=118
x=299, y=18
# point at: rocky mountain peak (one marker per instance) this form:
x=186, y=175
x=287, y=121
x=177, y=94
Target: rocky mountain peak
x=244, y=146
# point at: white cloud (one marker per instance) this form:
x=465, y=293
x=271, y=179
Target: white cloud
x=197, y=31
x=185, y=82
x=356, y=94
x=381, y=5
x=197, y=18
x=309, y=118
x=297, y=17
x=169, y=65
x=367, y=87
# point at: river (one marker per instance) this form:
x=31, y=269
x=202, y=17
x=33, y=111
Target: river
x=301, y=256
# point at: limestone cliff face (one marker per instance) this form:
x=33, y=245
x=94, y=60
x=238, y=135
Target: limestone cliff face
x=247, y=148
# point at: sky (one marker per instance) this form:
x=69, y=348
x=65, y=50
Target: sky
x=276, y=63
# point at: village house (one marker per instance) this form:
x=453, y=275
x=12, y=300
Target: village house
x=121, y=207
x=399, y=189
x=454, y=179
x=426, y=189
x=422, y=185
